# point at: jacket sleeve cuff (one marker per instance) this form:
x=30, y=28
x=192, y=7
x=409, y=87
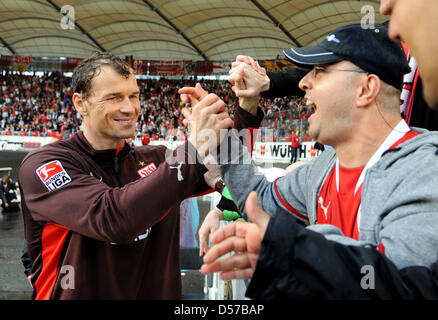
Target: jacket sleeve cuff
x=243, y=119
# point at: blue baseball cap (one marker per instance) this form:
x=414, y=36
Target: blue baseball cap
x=369, y=49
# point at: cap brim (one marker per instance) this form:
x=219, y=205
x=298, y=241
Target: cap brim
x=307, y=57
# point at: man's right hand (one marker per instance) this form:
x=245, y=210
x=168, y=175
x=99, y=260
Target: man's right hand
x=248, y=80
x=247, y=71
x=209, y=119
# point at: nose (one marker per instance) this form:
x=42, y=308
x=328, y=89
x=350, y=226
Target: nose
x=393, y=31
x=129, y=106
x=386, y=7
x=305, y=83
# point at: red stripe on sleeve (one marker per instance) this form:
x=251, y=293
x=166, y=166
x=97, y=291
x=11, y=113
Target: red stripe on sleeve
x=381, y=248
x=52, y=243
x=288, y=207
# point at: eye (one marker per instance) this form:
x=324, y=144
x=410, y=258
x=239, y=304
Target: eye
x=317, y=70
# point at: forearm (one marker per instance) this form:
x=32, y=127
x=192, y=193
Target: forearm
x=296, y=263
x=240, y=174
x=243, y=119
x=92, y=208
x=285, y=83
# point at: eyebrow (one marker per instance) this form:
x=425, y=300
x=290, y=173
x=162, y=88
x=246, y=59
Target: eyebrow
x=118, y=94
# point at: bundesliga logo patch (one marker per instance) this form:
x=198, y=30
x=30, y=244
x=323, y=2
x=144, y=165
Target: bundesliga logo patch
x=147, y=170
x=53, y=175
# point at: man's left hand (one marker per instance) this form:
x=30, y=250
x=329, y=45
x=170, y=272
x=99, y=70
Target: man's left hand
x=243, y=237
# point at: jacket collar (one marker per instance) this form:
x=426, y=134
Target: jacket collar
x=102, y=157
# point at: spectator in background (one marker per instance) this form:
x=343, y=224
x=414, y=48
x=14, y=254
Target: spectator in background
x=145, y=139
x=45, y=103
x=7, y=193
x=295, y=144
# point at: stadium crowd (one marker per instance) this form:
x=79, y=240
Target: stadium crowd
x=42, y=106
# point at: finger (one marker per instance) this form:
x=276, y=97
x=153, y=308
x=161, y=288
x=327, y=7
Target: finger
x=224, y=247
x=226, y=231
x=235, y=65
x=202, y=241
x=185, y=98
x=259, y=69
x=234, y=74
x=236, y=78
x=187, y=90
x=243, y=92
x=236, y=274
x=244, y=59
x=211, y=104
x=187, y=113
x=255, y=65
x=225, y=123
x=223, y=116
x=194, y=94
x=200, y=91
x=256, y=213
x=189, y=95
x=235, y=229
x=236, y=261
x=240, y=79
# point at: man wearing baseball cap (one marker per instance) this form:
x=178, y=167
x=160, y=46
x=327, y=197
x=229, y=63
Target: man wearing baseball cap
x=373, y=192
x=369, y=49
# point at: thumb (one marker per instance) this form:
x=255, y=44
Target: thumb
x=187, y=113
x=240, y=83
x=184, y=98
x=200, y=91
x=256, y=213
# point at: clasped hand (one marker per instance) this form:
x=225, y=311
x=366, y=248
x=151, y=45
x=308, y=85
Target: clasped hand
x=208, y=119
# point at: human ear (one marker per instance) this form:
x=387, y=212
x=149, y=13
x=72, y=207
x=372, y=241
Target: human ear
x=80, y=104
x=369, y=89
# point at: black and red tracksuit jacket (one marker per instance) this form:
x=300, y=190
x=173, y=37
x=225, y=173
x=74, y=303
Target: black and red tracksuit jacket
x=105, y=224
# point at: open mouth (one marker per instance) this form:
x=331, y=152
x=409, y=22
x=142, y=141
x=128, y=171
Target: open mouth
x=309, y=103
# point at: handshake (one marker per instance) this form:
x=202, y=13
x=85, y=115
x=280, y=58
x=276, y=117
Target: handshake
x=208, y=120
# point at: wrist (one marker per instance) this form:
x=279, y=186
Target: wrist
x=220, y=185
x=218, y=213
x=249, y=104
x=266, y=84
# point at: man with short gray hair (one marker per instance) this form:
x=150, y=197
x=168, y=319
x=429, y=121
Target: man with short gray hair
x=102, y=218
